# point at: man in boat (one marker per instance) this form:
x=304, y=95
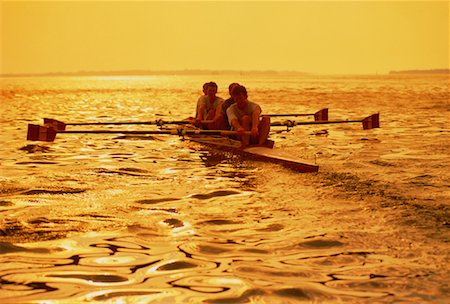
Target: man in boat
x=245, y=115
x=209, y=108
x=190, y=118
x=225, y=105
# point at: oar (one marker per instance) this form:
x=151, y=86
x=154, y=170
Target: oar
x=320, y=115
x=60, y=126
x=45, y=133
x=370, y=122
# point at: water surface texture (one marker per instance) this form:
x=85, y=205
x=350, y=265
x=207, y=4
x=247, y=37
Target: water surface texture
x=159, y=219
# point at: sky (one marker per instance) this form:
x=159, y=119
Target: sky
x=321, y=37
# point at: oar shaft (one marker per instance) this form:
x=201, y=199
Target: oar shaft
x=298, y=123
x=60, y=125
x=290, y=115
x=320, y=115
x=157, y=122
x=326, y=122
x=370, y=122
x=160, y=132
x=44, y=133
x=114, y=132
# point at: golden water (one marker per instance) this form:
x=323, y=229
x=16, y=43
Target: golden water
x=155, y=219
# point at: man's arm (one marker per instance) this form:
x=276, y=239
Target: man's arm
x=201, y=106
x=218, y=114
x=234, y=122
x=255, y=120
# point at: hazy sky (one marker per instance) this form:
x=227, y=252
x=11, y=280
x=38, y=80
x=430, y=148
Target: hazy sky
x=327, y=37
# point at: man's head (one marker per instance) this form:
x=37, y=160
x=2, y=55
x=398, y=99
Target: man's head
x=205, y=85
x=211, y=89
x=239, y=94
x=231, y=86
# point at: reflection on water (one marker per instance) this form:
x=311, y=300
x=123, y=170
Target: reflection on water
x=137, y=264
x=159, y=219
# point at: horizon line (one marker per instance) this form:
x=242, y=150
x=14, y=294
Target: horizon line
x=209, y=72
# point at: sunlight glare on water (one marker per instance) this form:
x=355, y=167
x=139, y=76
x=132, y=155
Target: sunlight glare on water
x=157, y=218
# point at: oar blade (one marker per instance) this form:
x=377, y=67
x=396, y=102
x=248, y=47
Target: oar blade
x=40, y=133
x=373, y=121
x=321, y=115
x=56, y=124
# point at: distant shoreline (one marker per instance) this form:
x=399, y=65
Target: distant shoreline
x=208, y=72
x=428, y=72
x=150, y=73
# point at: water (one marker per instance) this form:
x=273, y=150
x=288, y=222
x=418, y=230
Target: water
x=140, y=219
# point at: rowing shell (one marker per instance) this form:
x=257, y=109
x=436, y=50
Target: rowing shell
x=261, y=153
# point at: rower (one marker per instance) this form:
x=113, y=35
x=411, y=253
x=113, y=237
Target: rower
x=209, y=108
x=245, y=115
x=225, y=125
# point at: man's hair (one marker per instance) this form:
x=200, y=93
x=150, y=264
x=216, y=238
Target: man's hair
x=231, y=86
x=239, y=89
x=212, y=84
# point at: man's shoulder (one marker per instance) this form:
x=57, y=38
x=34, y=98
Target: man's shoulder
x=202, y=99
x=232, y=107
x=253, y=104
x=227, y=103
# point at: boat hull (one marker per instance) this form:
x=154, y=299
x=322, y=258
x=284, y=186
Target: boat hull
x=271, y=155
x=259, y=153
